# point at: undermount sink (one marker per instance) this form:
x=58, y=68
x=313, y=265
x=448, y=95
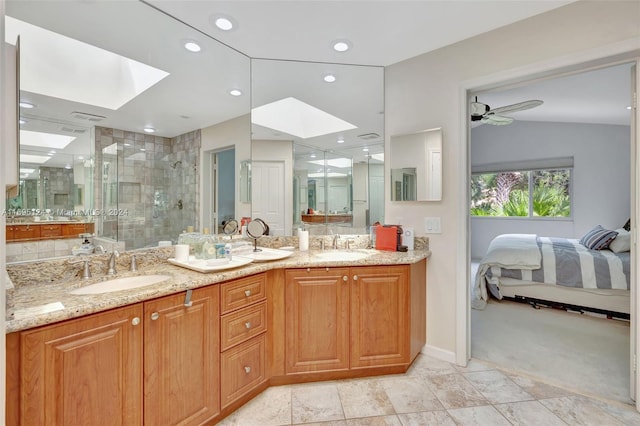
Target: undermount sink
x=118, y=284
x=342, y=255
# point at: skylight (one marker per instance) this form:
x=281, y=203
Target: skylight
x=37, y=159
x=61, y=67
x=44, y=140
x=334, y=162
x=292, y=116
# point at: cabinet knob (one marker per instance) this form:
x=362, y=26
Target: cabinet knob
x=247, y=369
x=247, y=324
x=345, y=278
x=155, y=316
x=308, y=269
x=135, y=321
x=355, y=278
x=247, y=293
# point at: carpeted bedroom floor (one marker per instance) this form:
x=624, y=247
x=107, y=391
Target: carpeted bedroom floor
x=579, y=352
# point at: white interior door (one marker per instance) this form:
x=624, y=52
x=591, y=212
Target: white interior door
x=268, y=194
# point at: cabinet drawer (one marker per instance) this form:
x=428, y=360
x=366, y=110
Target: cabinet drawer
x=242, y=292
x=242, y=369
x=50, y=230
x=25, y=232
x=242, y=325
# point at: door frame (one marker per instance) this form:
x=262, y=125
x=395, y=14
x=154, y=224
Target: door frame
x=210, y=188
x=617, y=53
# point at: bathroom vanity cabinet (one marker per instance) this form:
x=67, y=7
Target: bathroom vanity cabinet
x=347, y=318
x=192, y=361
x=46, y=231
x=157, y=359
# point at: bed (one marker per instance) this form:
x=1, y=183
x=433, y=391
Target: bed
x=557, y=272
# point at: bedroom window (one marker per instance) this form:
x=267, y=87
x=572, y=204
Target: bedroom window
x=523, y=193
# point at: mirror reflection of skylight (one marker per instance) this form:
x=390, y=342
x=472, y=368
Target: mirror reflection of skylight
x=330, y=174
x=292, y=116
x=379, y=157
x=334, y=162
x=36, y=159
x=44, y=140
x=61, y=67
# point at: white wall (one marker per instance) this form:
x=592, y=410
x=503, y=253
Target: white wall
x=601, y=175
x=425, y=92
x=232, y=133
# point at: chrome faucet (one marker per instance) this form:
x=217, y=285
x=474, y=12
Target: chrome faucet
x=99, y=249
x=112, y=262
x=336, y=239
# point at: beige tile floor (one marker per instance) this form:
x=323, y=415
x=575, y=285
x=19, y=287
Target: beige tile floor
x=432, y=392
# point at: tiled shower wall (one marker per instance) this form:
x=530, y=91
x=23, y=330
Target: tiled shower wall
x=146, y=186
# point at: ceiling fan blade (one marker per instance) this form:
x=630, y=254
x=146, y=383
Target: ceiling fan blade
x=520, y=106
x=496, y=120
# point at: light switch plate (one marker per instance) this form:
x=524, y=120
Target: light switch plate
x=432, y=225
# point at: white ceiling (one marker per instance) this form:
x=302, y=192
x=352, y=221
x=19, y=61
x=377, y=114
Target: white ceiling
x=381, y=32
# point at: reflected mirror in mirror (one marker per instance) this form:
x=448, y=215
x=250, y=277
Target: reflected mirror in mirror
x=416, y=166
x=328, y=137
x=245, y=181
x=139, y=123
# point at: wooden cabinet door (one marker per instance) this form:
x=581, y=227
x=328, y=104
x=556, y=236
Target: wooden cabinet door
x=181, y=356
x=380, y=316
x=86, y=371
x=11, y=233
x=317, y=319
x=48, y=231
x=73, y=229
x=26, y=232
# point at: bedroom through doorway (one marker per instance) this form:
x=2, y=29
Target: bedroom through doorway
x=538, y=176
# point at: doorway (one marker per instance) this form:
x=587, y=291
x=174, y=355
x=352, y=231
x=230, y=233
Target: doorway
x=633, y=200
x=219, y=188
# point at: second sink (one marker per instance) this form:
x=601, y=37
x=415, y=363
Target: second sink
x=118, y=284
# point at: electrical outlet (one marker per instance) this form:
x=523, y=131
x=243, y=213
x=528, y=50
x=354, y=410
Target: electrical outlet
x=432, y=225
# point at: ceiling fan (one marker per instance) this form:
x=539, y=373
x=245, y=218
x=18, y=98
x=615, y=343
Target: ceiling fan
x=484, y=113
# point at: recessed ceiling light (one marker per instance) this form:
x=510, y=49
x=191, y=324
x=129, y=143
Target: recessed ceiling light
x=313, y=156
x=127, y=144
x=629, y=107
x=223, y=22
x=341, y=45
x=365, y=149
x=149, y=129
x=26, y=105
x=67, y=166
x=235, y=92
x=192, y=46
x=330, y=78
x=340, y=140
x=142, y=149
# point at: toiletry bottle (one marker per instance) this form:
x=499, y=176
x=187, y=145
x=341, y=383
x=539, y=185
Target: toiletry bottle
x=227, y=251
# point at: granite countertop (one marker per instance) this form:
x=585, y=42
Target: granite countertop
x=37, y=299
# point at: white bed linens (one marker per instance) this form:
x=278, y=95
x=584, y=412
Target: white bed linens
x=515, y=251
x=564, y=262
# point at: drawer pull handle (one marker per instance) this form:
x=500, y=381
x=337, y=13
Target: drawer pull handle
x=155, y=316
x=247, y=324
x=308, y=269
x=345, y=278
x=247, y=293
x=355, y=278
x=247, y=369
x=135, y=321
x=187, y=299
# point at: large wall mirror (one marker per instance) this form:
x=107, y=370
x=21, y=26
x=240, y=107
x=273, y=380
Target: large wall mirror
x=119, y=107
x=317, y=146
x=416, y=166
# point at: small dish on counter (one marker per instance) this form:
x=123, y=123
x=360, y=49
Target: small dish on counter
x=202, y=265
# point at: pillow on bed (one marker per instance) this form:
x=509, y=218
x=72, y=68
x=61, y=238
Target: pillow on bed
x=622, y=242
x=598, y=238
